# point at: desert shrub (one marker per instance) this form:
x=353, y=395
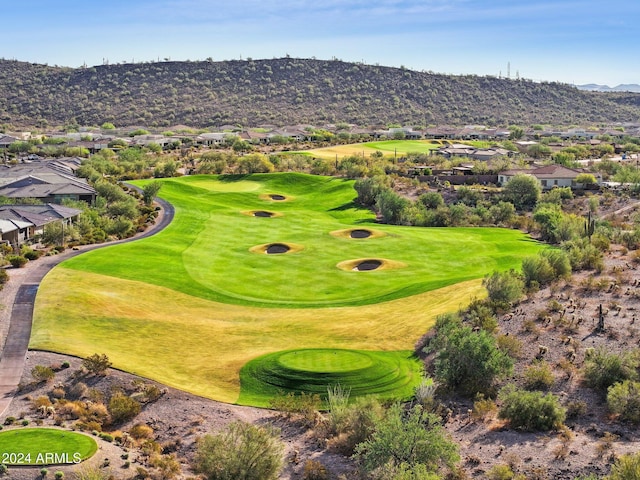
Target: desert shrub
x=59, y=475
x=429, y=443
x=504, y=288
x=404, y=471
x=531, y=411
x=304, y=404
x=42, y=401
x=355, y=425
x=31, y=254
x=602, y=369
x=623, y=399
x=4, y=277
x=425, y=394
x=3, y=469
x=96, y=364
x=500, y=472
x=314, y=470
x=481, y=314
x=626, y=467
x=538, y=376
x=576, y=408
x=483, y=407
x=168, y=465
x=43, y=472
x=465, y=360
x=509, y=344
x=79, y=390
x=17, y=261
x=241, y=452
x=106, y=437
x=141, y=431
x=123, y=408
x=42, y=373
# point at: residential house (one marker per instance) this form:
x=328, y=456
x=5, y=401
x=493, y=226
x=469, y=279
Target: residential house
x=21, y=223
x=550, y=176
x=50, y=184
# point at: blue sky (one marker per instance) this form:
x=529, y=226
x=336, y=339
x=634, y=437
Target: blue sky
x=567, y=41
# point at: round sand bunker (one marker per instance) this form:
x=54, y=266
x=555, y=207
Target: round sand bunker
x=360, y=233
x=277, y=197
x=263, y=213
x=367, y=265
x=277, y=248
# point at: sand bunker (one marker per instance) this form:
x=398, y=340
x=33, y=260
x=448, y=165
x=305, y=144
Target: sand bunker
x=369, y=264
x=262, y=213
x=357, y=233
x=276, y=248
x=275, y=197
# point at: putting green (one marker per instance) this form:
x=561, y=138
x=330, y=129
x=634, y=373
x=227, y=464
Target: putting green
x=384, y=374
x=45, y=446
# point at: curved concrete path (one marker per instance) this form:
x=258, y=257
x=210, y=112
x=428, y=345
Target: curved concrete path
x=14, y=353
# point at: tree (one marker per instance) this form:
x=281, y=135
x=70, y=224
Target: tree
x=431, y=200
x=408, y=438
x=97, y=364
x=391, y=206
x=241, y=452
x=465, y=360
x=149, y=192
x=602, y=368
x=523, y=191
x=586, y=179
x=255, y=163
x=368, y=190
x=539, y=150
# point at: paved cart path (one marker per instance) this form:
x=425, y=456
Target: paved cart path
x=21, y=301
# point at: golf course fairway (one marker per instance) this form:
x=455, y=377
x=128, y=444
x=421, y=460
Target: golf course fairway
x=254, y=265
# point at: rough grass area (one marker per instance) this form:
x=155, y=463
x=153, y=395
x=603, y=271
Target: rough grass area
x=384, y=374
x=387, y=147
x=44, y=446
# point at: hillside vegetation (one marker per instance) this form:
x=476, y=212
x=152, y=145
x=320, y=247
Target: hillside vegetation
x=289, y=91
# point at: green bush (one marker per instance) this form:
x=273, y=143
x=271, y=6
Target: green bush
x=602, y=369
x=623, y=399
x=538, y=376
x=31, y=254
x=241, y=452
x=96, y=364
x=17, y=261
x=106, y=437
x=314, y=470
x=626, y=467
x=465, y=360
x=504, y=288
x=530, y=411
x=3, y=469
x=42, y=373
x=123, y=408
x=59, y=475
x=4, y=277
x=410, y=438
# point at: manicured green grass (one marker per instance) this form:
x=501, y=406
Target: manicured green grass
x=44, y=446
x=384, y=374
x=388, y=147
x=207, y=251
x=186, y=306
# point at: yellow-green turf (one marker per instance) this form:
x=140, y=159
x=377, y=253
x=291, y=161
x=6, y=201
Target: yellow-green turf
x=44, y=446
x=191, y=305
x=387, y=147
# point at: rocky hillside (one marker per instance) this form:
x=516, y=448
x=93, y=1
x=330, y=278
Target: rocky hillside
x=289, y=91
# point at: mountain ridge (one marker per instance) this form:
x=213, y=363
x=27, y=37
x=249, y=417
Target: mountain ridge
x=290, y=91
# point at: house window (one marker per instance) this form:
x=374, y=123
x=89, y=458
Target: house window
x=555, y=182
x=543, y=182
